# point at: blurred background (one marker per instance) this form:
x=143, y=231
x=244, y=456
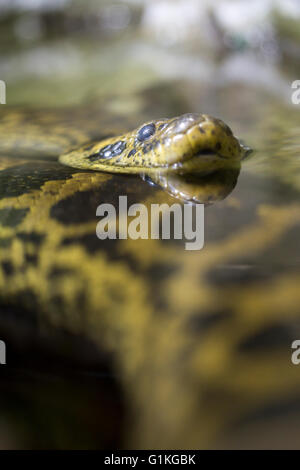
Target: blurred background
x=67, y=51
x=139, y=60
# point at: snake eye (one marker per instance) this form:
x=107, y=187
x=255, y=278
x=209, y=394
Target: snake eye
x=145, y=132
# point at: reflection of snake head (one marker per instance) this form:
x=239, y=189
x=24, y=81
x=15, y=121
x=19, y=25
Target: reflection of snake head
x=191, y=142
x=205, y=189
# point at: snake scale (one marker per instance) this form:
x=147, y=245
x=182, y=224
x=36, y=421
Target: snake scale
x=200, y=342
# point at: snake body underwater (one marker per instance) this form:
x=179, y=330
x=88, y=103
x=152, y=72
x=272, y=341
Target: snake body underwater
x=191, y=335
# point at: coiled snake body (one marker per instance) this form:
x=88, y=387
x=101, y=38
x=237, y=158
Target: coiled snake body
x=189, y=334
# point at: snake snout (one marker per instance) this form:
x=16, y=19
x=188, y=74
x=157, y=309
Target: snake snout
x=193, y=137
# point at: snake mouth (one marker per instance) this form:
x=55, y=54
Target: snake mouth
x=202, y=162
x=208, y=160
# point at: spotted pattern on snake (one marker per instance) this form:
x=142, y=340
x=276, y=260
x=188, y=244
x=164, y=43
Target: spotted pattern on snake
x=188, y=333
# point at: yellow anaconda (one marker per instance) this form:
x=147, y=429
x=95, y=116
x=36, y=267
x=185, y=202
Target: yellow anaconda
x=199, y=344
x=191, y=142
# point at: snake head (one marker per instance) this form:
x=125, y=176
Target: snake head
x=188, y=143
